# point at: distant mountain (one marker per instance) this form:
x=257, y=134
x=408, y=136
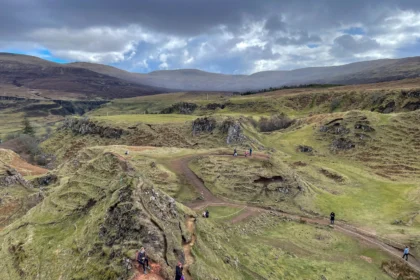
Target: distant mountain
x=31, y=73
x=102, y=81
x=197, y=80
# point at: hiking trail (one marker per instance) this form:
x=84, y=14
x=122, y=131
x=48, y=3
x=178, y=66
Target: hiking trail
x=180, y=166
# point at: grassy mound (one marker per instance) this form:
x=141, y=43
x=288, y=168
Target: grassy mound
x=95, y=216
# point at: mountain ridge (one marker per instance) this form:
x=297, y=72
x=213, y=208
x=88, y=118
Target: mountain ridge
x=104, y=81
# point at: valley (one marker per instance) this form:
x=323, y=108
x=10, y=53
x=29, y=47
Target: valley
x=97, y=179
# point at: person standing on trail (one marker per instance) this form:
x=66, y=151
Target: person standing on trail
x=207, y=213
x=406, y=253
x=143, y=259
x=332, y=217
x=178, y=271
x=250, y=151
x=235, y=153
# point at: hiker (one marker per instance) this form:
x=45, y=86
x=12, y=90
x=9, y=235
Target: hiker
x=332, y=217
x=235, y=153
x=143, y=259
x=250, y=152
x=204, y=214
x=207, y=213
x=178, y=271
x=406, y=252
x=126, y=152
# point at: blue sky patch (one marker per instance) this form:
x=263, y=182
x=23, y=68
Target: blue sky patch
x=354, y=31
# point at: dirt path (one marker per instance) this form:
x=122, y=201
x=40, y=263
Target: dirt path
x=180, y=166
x=189, y=259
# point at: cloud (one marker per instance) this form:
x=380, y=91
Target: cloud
x=346, y=45
x=228, y=36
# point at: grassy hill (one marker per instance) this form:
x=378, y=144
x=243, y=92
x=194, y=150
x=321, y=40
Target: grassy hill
x=140, y=172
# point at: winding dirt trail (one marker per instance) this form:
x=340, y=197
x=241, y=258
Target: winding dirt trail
x=180, y=166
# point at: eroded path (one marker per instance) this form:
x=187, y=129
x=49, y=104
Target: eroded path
x=180, y=166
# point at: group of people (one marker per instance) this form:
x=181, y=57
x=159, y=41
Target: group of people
x=143, y=261
x=247, y=152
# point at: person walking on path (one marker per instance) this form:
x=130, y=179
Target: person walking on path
x=178, y=271
x=332, y=217
x=406, y=253
x=235, y=153
x=250, y=152
x=143, y=259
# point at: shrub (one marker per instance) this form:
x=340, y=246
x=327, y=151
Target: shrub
x=335, y=103
x=275, y=122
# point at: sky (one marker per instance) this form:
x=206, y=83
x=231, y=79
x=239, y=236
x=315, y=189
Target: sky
x=223, y=36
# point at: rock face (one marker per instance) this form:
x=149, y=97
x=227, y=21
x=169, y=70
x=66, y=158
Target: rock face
x=85, y=126
x=214, y=106
x=342, y=144
x=234, y=132
x=13, y=178
x=180, y=108
x=203, y=125
x=45, y=180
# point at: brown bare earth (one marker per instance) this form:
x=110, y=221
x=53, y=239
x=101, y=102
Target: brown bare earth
x=13, y=160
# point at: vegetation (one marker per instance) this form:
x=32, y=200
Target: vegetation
x=128, y=179
x=290, y=87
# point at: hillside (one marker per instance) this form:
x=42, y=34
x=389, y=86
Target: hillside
x=140, y=172
x=191, y=79
x=26, y=74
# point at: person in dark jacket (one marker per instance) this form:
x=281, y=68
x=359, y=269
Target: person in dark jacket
x=406, y=253
x=178, y=271
x=250, y=152
x=143, y=260
x=332, y=217
x=207, y=213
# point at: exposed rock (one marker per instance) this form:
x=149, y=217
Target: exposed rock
x=45, y=180
x=233, y=130
x=180, y=108
x=412, y=106
x=388, y=108
x=203, y=125
x=214, y=106
x=85, y=126
x=13, y=178
x=342, y=144
x=364, y=126
x=305, y=149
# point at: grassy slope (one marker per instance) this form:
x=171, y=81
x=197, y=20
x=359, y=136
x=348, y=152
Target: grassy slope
x=96, y=215
x=272, y=248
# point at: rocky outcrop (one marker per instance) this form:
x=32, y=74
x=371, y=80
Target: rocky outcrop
x=233, y=130
x=13, y=178
x=412, y=106
x=214, y=106
x=388, y=108
x=86, y=126
x=180, y=108
x=203, y=125
x=305, y=149
x=46, y=180
x=342, y=144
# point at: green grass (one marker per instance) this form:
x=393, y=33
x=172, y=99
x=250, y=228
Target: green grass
x=222, y=213
x=145, y=118
x=275, y=249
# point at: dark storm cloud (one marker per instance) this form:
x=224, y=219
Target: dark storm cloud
x=193, y=33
